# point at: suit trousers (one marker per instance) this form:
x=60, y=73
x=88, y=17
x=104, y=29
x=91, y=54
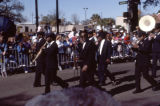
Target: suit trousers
x=144, y=69
x=155, y=57
x=50, y=76
x=87, y=76
x=103, y=72
x=40, y=68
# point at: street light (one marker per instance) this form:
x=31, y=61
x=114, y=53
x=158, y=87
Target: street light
x=36, y=10
x=85, y=10
x=57, y=16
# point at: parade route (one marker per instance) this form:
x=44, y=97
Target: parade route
x=17, y=89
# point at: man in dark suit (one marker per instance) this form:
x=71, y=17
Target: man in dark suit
x=51, y=52
x=104, y=55
x=40, y=68
x=156, y=50
x=88, y=65
x=143, y=49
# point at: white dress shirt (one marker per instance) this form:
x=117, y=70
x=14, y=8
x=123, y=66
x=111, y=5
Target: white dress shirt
x=101, y=46
x=84, y=44
x=49, y=44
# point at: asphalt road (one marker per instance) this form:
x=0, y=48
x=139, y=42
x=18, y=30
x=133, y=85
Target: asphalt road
x=17, y=89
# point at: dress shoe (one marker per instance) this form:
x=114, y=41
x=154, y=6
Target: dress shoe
x=65, y=85
x=101, y=83
x=137, y=91
x=37, y=85
x=156, y=88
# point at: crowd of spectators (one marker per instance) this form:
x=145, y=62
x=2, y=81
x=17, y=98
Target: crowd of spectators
x=20, y=49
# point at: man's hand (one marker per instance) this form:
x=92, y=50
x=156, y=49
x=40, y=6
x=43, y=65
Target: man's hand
x=135, y=46
x=108, y=60
x=85, y=67
x=3, y=53
x=152, y=35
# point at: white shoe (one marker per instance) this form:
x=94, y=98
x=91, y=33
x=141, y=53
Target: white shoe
x=60, y=68
x=74, y=68
x=26, y=72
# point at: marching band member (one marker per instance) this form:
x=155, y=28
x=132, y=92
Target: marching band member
x=156, y=50
x=87, y=56
x=40, y=68
x=104, y=57
x=143, y=49
x=51, y=52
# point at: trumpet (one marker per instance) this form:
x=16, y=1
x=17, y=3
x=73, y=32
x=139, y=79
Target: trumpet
x=39, y=53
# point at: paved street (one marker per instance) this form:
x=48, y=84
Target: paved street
x=17, y=89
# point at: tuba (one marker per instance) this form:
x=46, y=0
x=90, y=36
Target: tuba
x=147, y=23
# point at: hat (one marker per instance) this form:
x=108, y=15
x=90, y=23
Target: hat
x=40, y=33
x=52, y=35
x=157, y=26
x=141, y=33
x=102, y=35
x=90, y=31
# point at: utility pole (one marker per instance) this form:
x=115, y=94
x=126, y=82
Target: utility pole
x=133, y=10
x=85, y=11
x=36, y=9
x=57, y=16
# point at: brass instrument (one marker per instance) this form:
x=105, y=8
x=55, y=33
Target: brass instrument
x=147, y=23
x=39, y=53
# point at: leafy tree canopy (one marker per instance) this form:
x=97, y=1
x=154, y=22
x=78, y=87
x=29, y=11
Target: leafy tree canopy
x=12, y=9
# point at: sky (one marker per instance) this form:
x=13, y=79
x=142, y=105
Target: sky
x=105, y=8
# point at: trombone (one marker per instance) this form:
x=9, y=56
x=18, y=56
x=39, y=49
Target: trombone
x=39, y=53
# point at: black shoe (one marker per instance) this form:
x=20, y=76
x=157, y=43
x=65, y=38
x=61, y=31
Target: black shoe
x=65, y=85
x=37, y=85
x=156, y=88
x=137, y=91
x=54, y=84
x=101, y=83
x=44, y=93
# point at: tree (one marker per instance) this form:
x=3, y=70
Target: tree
x=75, y=19
x=86, y=22
x=107, y=22
x=95, y=19
x=12, y=9
x=51, y=19
x=151, y=2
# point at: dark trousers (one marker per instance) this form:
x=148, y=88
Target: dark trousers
x=50, y=76
x=144, y=69
x=155, y=57
x=87, y=76
x=40, y=68
x=103, y=72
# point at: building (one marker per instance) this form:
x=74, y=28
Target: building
x=120, y=22
x=68, y=28
x=26, y=27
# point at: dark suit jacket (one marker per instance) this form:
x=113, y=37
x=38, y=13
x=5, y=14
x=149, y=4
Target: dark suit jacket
x=143, y=52
x=41, y=58
x=106, y=52
x=156, y=45
x=87, y=54
x=51, y=60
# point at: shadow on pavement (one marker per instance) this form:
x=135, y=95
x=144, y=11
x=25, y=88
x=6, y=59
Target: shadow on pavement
x=73, y=79
x=122, y=89
x=120, y=72
x=126, y=79
x=140, y=102
x=15, y=100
